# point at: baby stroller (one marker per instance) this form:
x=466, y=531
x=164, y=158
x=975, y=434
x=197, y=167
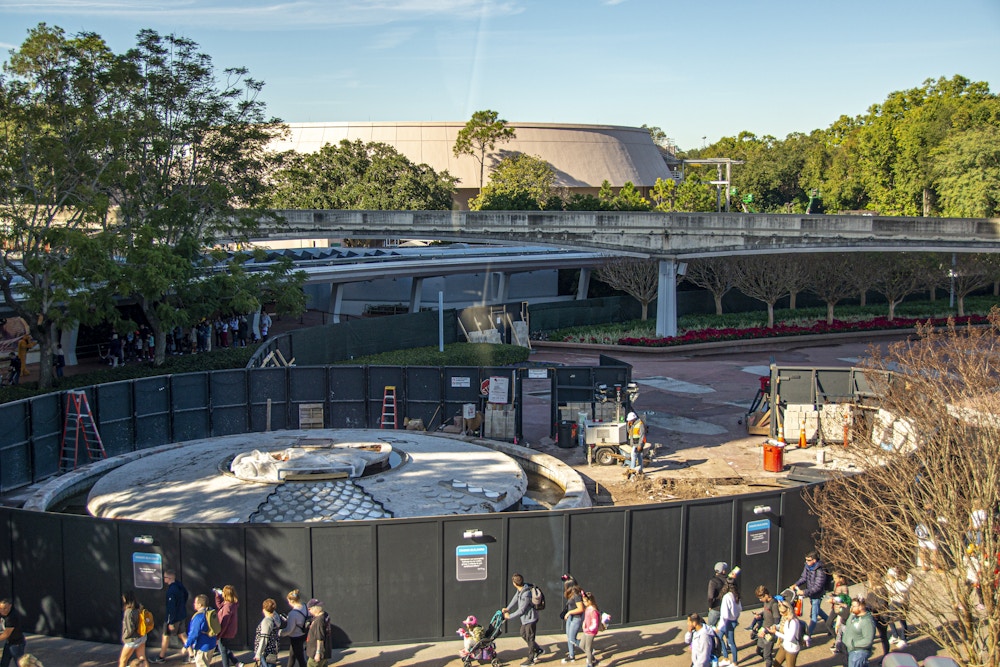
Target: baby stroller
x=485, y=650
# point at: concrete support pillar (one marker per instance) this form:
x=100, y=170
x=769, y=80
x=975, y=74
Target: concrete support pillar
x=416, y=287
x=68, y=341
x=583, y=287
x=666, y=299
x=503, y=287
x=336, y=301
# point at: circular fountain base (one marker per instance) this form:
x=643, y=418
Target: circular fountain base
x=436, y=476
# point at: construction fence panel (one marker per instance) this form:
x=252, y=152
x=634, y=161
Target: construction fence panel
x=114, y=414
x=93, y=585
x=153, y=407
x=346, y=396
x=191, y=394
x=269, y=399
x=228, y=390
x=423, y=395
x=306, y=388
x=380, y=378
x=46, y=434
x=15, y=446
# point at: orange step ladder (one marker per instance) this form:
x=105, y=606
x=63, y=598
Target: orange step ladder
x=388, y=408
x=79, y=425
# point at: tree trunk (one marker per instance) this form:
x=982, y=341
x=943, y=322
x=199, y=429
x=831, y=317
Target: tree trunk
x=718, y=303
x=770, y=315
x=645, y=310
x=863, y=298
x=829, y=311
x=159, y=336
x=932, y=293
x=961, y=305
x=44, y=335
x=791, y=299
x=892, y=309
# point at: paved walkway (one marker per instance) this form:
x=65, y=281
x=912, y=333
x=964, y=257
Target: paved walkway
x=659, y=645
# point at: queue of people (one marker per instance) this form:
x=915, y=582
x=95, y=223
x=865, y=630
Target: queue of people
x=779, y=634
x=210, y=627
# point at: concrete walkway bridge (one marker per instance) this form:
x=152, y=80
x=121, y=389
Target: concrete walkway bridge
x=667, y=237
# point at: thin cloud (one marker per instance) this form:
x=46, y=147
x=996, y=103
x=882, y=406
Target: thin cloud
x=268, y=14
x=612, y=3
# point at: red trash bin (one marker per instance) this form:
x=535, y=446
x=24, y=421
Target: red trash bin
x=774, y=458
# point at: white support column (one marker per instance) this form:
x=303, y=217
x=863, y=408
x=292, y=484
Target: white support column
x=503, y=288
x=583, y=287
x=416, y=287
x=336, y=300
x=68, y=341
x=666, y=299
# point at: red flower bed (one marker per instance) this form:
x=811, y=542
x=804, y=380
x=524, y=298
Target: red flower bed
x=820, y=327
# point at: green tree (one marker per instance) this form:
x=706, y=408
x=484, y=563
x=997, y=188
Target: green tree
x=695, y=195
x=481, y=135
x=967, y=173
x=518, y=182
x=59, y=97
x=360, y=176
x=194, y=172
x=626, y=199
x=664, y=195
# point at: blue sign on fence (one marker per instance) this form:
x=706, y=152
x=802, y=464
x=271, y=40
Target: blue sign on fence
x=758, y=540
x=147, y=570
x=470, y=562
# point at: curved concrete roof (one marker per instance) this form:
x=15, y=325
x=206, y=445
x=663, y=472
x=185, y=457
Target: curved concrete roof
x=583, y=156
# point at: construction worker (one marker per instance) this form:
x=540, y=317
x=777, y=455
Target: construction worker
x=636, y=430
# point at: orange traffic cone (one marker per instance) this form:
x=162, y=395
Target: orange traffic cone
x=781, y=433
x=802, y=438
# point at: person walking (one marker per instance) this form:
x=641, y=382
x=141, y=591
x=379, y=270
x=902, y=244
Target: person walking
x=59, y=361
x=769, y=617
x=698, y=637
x=14, y=643
x=572, y=613
x=787, y=629
x=318, y=638
x=199, y=641
x=591, y=626
x=812, y=584
x=521, y=606
x=859, y=634
x=295, y=629
x=728, y=620
x=265, y=652
x=174, y=623
x=229, y=606
x=132, y=640
x=715, y=586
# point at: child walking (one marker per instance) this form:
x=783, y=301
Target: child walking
x=591, y=626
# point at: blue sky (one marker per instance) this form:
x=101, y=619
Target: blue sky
x=696, y=68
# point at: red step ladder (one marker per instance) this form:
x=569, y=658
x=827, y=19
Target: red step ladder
x=388, y=408
x=79, y=425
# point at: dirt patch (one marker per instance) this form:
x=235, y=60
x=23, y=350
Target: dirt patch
x=640, y=489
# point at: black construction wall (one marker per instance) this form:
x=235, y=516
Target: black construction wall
x=395, y=581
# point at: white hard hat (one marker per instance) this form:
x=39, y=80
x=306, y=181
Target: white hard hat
x=631, y=417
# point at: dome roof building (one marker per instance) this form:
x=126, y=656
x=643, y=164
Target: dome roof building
x=583, y=156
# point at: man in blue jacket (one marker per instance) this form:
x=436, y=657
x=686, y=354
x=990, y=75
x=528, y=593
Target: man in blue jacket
x=199, y=641
x=173, y=624
x=524, y=609
x=812, y=584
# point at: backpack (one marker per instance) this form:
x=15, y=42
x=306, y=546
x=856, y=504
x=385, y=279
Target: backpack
x=212, y=621
x=716, y=651
x=145, y=621
x=537, y=598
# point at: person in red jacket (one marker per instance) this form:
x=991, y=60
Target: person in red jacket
x=228, y=606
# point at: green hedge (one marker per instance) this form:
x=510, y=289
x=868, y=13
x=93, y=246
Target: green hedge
x=455, y=354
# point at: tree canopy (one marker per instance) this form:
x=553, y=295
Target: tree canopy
x=518, y=182
x=480, y=136
x=358, y=175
